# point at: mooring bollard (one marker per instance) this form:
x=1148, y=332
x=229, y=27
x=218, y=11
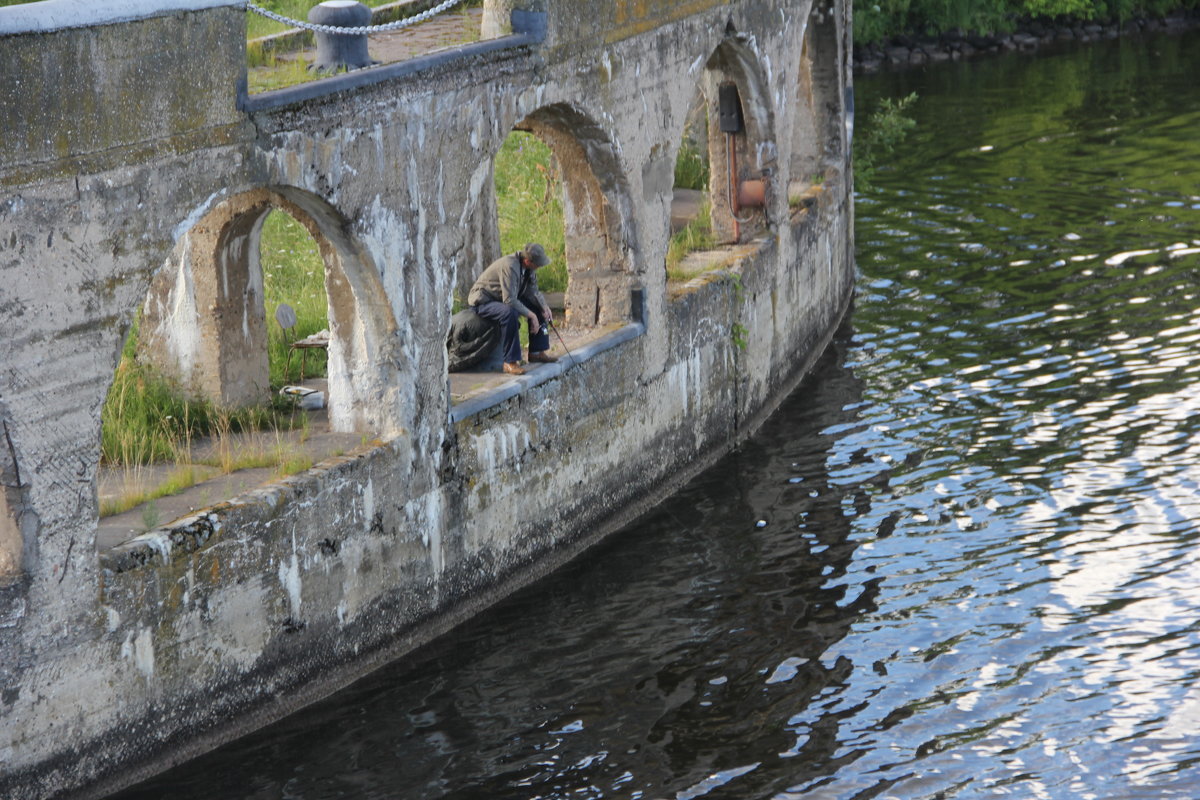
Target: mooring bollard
x=335, y=50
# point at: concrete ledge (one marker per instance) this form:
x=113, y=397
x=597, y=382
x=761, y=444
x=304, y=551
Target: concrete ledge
x=705, y=267
x=55, y=15
x=184, y=536
x=490, y=398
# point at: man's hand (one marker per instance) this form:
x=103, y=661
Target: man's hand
x=547, y=315
x=535, y=324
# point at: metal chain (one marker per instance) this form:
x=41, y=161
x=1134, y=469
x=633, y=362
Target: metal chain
x=333, y=29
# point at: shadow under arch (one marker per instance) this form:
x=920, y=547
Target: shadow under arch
x=204, y=322
x=597, y=214
x=736, y=211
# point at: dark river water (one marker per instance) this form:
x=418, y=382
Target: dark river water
x=977, y=575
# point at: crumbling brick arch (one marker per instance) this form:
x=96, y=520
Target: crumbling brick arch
x=819, y=133
x=597, y=214
x=742, y=164
x=204, y=322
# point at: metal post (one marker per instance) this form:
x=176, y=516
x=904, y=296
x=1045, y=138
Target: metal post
x=335, y=51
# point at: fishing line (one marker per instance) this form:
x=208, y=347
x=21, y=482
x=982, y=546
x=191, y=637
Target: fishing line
x=570, y=355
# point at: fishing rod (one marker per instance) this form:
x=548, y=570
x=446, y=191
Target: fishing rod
x=554, y=328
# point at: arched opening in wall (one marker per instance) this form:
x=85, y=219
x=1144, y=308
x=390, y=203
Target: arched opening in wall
x=558, y=184
x=216, y=376
x=724, y=169
x=595, y=213
x=818, y=135
x=741, y=144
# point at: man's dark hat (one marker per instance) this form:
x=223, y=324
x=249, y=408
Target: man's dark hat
x=535, y=254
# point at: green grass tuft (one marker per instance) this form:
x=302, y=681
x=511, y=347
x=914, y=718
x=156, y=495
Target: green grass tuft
x=181, y=478
x=276, y=73
x=146, y=418
x=696, y=235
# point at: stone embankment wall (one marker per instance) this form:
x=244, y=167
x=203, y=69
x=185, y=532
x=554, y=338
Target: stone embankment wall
x=135, y=176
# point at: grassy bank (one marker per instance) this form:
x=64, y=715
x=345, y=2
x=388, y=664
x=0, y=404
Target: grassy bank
x=876, y=20
x=529, y=204
x=293, y=273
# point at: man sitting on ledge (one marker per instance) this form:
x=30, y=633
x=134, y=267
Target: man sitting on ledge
x=506, y=291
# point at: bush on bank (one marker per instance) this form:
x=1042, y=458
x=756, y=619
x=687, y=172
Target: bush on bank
x=875, y=20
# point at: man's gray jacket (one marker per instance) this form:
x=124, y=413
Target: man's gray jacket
x=502, y=281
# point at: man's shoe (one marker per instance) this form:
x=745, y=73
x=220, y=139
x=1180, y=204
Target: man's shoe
x=513, y=368
x=542, y=358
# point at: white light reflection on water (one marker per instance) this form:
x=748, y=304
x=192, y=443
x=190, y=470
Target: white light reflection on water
x=1038, y=613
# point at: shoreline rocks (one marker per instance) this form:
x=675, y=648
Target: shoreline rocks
x=905, y=50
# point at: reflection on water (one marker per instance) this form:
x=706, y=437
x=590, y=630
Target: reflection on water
x=670, y=660
x=1027, y=329
x=977, y=573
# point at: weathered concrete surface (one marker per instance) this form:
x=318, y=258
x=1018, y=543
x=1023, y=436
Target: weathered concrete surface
x=142, y=184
